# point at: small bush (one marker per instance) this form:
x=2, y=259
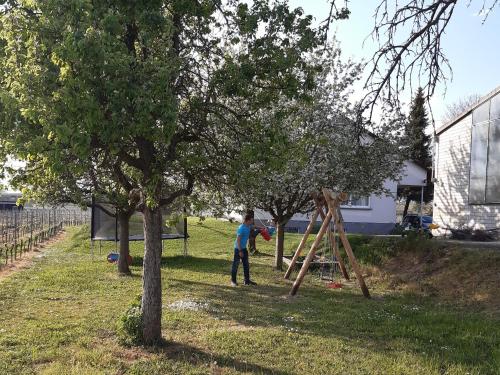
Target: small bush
x=397, y=230
x=415, y=242
x=373, y=251
x=130, y=325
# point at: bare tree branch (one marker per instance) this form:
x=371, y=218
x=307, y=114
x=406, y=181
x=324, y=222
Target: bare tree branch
x=409, y=36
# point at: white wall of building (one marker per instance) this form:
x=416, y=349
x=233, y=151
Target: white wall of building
x=412, y=175
x=451, y=187
x=379, y=217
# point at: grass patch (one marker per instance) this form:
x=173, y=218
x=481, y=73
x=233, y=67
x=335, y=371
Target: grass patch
x=60, y=316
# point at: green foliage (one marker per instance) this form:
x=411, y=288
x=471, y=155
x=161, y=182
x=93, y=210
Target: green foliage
x=129, y=100
x=417, y=146
x=416, y=242
x=371, y=250
x=374, y=251
x=129, y=326
x=132, y=96
x=301, y=146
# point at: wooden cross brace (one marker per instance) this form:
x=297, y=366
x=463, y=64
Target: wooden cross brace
x=332, y=203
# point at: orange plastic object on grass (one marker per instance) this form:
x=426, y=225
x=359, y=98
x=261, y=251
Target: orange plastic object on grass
x=334, y=285
x=265, y=233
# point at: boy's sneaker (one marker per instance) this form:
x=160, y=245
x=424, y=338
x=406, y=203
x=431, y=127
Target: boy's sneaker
x=233, y=284
x=250, y=282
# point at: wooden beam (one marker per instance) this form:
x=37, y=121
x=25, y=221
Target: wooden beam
x=312, y=252
x=331, y=238
x=302, y=244
x=333, y=205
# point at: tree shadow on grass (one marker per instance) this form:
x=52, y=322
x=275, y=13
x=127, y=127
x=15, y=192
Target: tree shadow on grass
x=422, y=324
x=197, y=264
x=426, y=329
x=190, y=263
x=197, y=357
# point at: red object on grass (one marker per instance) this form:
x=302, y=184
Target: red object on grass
x=334, y=285
x=265, y=233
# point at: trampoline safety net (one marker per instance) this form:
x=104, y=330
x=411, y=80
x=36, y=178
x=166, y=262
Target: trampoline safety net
x=105, y=226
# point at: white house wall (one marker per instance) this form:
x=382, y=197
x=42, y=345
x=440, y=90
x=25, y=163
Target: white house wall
x=379, y=218
x=413, y=175
x=451, y=188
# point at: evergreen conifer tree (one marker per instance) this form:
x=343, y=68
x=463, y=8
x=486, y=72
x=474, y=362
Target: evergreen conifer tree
x=418, y=148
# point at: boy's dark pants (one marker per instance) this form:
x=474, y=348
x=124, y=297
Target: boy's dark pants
x=236, y=262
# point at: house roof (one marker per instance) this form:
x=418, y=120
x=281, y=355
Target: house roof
x=485, y=98
x=8, y=197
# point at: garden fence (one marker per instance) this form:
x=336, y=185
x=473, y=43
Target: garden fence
x=22, y=230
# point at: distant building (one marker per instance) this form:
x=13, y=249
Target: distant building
x=368, y=215
x=467, y=167
x=8, y=201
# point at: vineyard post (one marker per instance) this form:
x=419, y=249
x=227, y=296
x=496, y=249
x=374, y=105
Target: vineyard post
x=15, y=234
x=7, y=223
x=31, y=231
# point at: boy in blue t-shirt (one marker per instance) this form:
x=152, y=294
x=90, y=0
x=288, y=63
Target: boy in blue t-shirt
x=241, y=252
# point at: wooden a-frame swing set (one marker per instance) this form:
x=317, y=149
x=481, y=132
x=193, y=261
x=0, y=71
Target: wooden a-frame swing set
x=331, y=202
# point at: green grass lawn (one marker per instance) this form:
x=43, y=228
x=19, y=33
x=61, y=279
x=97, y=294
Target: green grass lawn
x=59, y=317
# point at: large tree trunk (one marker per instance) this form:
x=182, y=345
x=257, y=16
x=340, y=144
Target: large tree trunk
x=123, y=220
x=280, y=244
x=151, y=281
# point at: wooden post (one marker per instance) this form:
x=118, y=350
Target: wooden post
x=347, y=246
x=302, y=244
x=312, y=252
x=332, y=240
x=15, y=234
x=31, y=230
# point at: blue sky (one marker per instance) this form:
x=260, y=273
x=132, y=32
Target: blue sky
x=472, y=48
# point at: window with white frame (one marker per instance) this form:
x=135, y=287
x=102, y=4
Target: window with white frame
x=357, y=202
